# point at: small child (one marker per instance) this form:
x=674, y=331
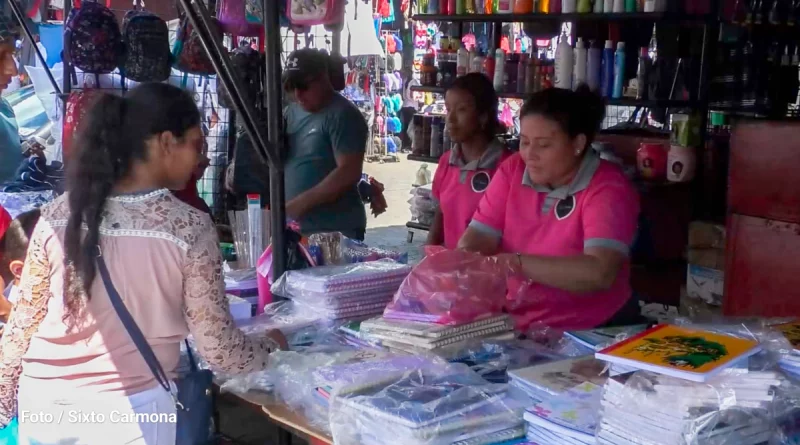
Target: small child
x=13, y=249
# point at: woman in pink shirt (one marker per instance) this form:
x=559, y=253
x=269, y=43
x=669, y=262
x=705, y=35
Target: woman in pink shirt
x=65, y=350
x=464, y=173
x=560, y=217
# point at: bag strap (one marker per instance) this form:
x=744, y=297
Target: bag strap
x=133, y=330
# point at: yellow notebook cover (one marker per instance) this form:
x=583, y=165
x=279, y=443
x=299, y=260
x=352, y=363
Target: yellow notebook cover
x=792, y=333
x=685, y=353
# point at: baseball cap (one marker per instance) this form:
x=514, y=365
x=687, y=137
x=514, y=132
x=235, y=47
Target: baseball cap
x=303, y=66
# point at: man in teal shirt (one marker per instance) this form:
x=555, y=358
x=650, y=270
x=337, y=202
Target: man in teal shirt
x=327, y=137
x=10, y=147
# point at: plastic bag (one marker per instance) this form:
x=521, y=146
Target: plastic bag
x=426, y=406
x=733, y=408
x=451, y=287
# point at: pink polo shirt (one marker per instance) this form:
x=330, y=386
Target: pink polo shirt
x=458, y=187
x=599, y=208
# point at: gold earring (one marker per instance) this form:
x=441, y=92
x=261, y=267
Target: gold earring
x=577, y=152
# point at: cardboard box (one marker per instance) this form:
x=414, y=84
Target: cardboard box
x=706, y=284
x=706, y=235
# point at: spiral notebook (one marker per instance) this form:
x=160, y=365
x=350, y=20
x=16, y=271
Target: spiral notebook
x=428, y=330
x=389, y=339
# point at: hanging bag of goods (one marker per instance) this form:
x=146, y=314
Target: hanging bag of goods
x=315, y=12
x=190, y=56
x=78, y=104
x=241, y=18
x=92, y=40
x=248, y=64
x=145, y=38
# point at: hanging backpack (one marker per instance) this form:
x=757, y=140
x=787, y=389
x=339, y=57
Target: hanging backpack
x=145, y=38
x=92, y=40
x=248, y=65
x=242, y=18
x=78, y=104
x=190, y=55
x=315, y=12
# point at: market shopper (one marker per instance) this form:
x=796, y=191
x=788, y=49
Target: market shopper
x=327, y=138
x=560, y=217
x=65, y=349
x=10, y=144
x=464, y=173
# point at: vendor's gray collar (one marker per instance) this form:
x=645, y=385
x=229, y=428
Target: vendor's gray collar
x=488, y=160
x=589, y=165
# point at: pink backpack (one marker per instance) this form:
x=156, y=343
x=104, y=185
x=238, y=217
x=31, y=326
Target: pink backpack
x=237, y=18
x=315, y=12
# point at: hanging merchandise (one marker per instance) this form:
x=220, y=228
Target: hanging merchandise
x=78, y=104
x=248, y=64
x=315, y=12
x=145, y=37
x=388, y=14
x=234, y=18
x=190, y=56
x=92, y=40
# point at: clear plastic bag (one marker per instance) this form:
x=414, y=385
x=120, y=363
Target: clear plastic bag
x=427, y=406
x=451, y=287
x=736, y=407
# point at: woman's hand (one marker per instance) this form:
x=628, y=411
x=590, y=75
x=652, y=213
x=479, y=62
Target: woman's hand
x=279, y=339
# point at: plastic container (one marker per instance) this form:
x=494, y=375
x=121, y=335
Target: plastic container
x=461, y=7
x=523, y=6
x=499, y=69
x=584, y=6
x=476, y=65
x=681, y=164
x=630, y=5
x=462, y=62
x=619, y=6
x=567, y=6
x=608, y=5
x=619, y=70
x=642, y=73
x=579, y=69
x=505, y=6
x=594, y=66
x=564, y=62
x=651, y=161
x=607, y=77
x=598, y=6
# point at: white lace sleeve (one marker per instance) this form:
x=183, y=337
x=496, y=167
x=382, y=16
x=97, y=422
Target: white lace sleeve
x=25, y=319
x=217, y=339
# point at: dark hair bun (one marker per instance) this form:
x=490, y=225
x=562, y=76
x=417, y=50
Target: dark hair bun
x=577, y=112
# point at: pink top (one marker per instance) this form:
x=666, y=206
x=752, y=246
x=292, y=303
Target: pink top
x=599, y=208
x=164, y=260
x=458, y=187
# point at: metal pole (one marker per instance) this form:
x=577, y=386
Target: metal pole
x=201, y=22
x=66, y=81
x=274, y=104
x=21, y=19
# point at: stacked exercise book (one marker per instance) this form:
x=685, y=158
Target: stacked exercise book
x=547, y=381
x=592, y=340
x=346, y=292
x=443, y=340
x=791, y=362
x=569, y=419
x=699, y=390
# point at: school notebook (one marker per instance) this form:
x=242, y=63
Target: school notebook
x=554, y=378
x=427, y=329
x=792, y=333
x=573, y=414
x=680, y=352
x=594, y=338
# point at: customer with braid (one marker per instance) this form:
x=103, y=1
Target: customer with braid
x=65, y=349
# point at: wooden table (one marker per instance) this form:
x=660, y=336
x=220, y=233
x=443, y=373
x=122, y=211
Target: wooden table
x=288, y=421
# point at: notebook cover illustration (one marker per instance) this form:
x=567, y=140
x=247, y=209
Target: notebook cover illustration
x=559, y=376
x=686, y=353
x=792, y=333
x=576, y=410
x=593, y=338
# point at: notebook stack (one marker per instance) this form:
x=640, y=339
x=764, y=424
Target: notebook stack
x=428, y=407
x=550, y=380
x=442, y=340
x=654, y=409
x=569, y=419
x=347, y=292
x=699, y=390
x=791, y=362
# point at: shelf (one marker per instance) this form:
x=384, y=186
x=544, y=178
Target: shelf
x=418, y=226
x=624, y=102
x=420, y=158
x=624, y=16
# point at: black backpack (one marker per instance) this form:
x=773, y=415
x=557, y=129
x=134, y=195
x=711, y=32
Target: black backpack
x=145, y=37
x=249, y=65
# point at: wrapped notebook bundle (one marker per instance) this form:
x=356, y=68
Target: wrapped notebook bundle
x=439, y=406
x=346, y=292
